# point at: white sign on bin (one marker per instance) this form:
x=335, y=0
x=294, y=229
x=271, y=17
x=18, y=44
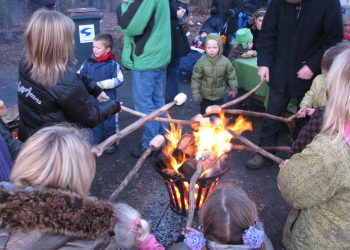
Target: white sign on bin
x=86, y=33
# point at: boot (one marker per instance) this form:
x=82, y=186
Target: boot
x=258, y=162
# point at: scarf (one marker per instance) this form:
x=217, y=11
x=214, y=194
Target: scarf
x=108, y=56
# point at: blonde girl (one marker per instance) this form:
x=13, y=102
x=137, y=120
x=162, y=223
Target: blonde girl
x=131, y=231
x=315, y=182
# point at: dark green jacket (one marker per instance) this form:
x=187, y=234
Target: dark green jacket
x=211, y=74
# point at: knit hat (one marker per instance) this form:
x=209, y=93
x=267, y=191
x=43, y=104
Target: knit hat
x=243, y=37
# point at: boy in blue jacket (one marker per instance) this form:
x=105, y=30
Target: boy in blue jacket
x=104, y=69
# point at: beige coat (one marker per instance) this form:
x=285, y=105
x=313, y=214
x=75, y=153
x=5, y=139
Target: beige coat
x=316, y=96
x=316, y=184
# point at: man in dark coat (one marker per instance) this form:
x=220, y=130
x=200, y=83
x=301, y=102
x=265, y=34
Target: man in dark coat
x=294, y=36
x=179, y=47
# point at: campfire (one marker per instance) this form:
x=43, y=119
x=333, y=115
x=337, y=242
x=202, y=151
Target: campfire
x=176, y=162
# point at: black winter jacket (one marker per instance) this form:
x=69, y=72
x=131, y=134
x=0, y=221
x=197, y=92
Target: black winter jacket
x=179, y=43
x=68, y=101
x=296, y=35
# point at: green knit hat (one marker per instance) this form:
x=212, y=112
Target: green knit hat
x=243, y=37
x=184, y=1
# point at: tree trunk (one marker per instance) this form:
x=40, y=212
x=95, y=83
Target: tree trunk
x=5, y=17
x=204, y=4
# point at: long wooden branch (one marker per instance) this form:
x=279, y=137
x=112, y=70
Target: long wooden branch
x=154, y=144
x=243, y=97
x=100, y=148
x=259, y=114
x=160, y=119
x=131, y=174
x=192, y=205
x=239, y=147
x=255, y=147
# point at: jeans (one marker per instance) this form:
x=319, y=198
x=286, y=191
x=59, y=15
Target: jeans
x=147, y=91
x=277, y=105
x=172, y=79
x=108, y=127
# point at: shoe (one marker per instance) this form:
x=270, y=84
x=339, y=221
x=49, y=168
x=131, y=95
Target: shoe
x=112, y=149
x=258, y=162
x=138, y=151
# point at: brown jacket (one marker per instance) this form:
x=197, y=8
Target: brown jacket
x=54, y=219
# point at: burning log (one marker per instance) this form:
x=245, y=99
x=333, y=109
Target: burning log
x=187, y=145
x=188, y=168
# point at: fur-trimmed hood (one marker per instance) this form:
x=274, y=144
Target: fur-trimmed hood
x=55, y=212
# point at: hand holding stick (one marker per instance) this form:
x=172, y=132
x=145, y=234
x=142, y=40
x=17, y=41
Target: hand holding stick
x=201, y=156
x=178, y=100
x=155, y=143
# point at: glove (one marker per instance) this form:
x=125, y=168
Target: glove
x=197, y=97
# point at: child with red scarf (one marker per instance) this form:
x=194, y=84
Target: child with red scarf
x=104, y=69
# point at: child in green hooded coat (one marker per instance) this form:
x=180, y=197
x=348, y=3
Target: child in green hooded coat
x=210, y=75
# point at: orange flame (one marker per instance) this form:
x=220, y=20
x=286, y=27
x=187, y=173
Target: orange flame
x=213, y=138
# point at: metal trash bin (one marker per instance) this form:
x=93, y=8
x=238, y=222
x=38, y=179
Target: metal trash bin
x=87, y=25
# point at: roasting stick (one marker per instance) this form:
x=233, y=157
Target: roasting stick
x=255, y=147
x=240, y=147
x=155, y=144
x=178, y=100
x=201, y=156
x=243, y=97
x=216, y=109
x=161, y=119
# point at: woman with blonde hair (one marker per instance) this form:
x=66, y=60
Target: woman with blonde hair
x=49, y=91
x=316, y=182
x=47, y=204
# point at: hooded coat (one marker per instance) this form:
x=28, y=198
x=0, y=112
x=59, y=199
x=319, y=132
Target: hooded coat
x=54, y=219
x=294, y=35
x=210, y=75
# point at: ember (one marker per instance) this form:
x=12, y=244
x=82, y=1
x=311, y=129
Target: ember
x=176, y=163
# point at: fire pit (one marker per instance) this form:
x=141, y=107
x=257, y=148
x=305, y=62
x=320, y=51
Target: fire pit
x=178, y=186
x=176, y=162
